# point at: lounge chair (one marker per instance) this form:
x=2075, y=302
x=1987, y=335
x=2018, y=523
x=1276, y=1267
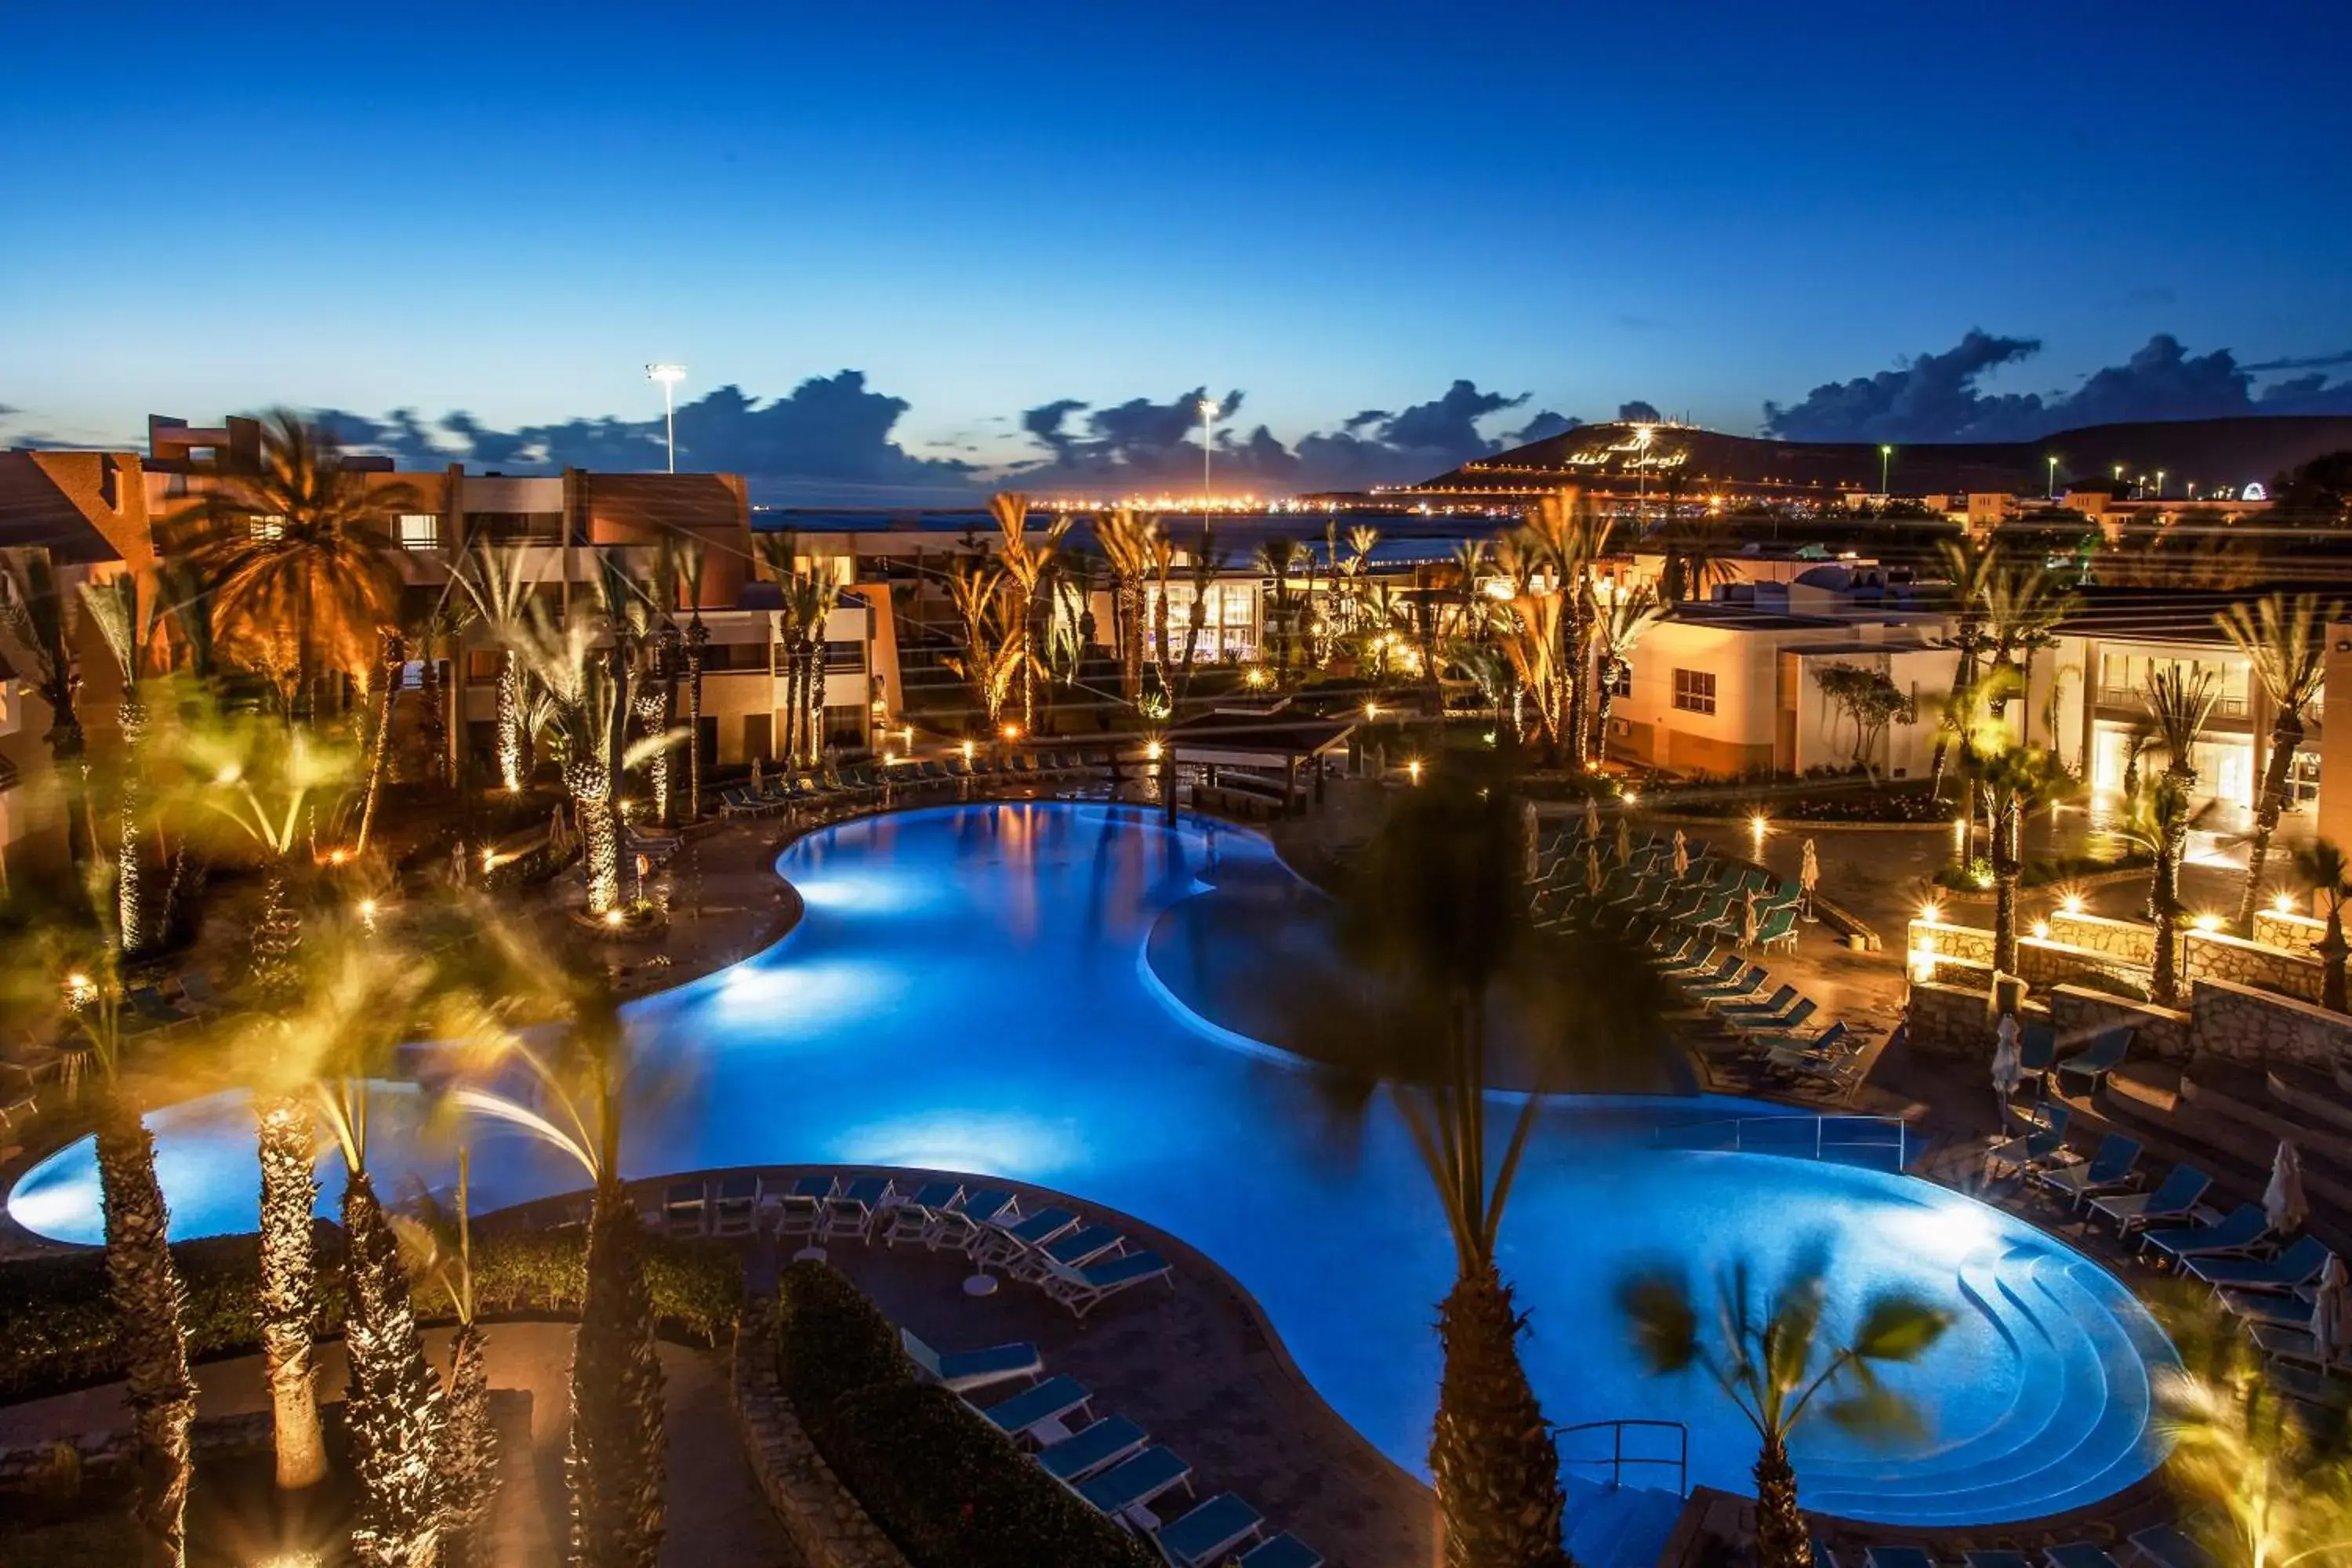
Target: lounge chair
x=1787, y=1022
x=1783, y=995
x=736, y=1210
x=1823, y=1557
x=912, y=1219
x=1136, y=1481
x=155, y=1007
x=1209, y=1532
x=1283, y=1550
x=2176, y=1198
x=1071, y=1249
x=2094, y=1062
x=850, y=1211
x=1829, y=1042
x=2291, y=1310
x=1085, y=1289
x=2238, y=1231
x=2043, y=1138
x=1995, y=1558
x=682, y=1209
x=2078, y=1554
x=2168, y=1546
x=1837, y=1076
x=963, y=1226
x=800, y=1211
x=2298, y=1265
x=1897, y=1557
x=962, y=1371
x=2037, y=1049
x=1006, y=1238
x=1039, y=1408
x=1744, y=985
x=197, y=987
x=2108, y=1170
x=2297, y=1344
x=1777, y=930
x=1091, y=1448
x=1710, y=968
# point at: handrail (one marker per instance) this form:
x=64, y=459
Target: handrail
x=1618, y=1459
x=1823, y=1143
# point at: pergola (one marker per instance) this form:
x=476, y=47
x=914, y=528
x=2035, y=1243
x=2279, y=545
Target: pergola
x=1258, y=738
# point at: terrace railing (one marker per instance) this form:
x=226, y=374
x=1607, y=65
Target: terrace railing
x=1617, y=1458
x=1848, y=1137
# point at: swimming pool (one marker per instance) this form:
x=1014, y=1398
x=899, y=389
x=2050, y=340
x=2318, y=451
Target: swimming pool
x=970, y=990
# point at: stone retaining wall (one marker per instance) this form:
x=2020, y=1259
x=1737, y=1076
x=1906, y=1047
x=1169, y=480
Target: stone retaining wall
x=2243, y=1025
x=826, y=1526
x=1956, y=1020
x=2127, y=940
x=2213, y=955
x=1964, y=955
x=2295, y=933
x=2158, y=1033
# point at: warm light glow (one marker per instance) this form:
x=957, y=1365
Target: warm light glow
x=1756, y=827
x=2072, y=904
x=1931, y=911
x=367, y=909
x=1152, y=750
x=2041, y=930
x=1256, y=676
x=1923, y=964
x=228, y=776
x=1371, y=709
x=1012, y=732
x=614, y=917
x=2206, y=923
x=2283, y=903
x=890, y=759
x=489, y=859
x=81, y=990
x=337, y=857
x=967, y=751
x=1633, y=797
x=1413, y=769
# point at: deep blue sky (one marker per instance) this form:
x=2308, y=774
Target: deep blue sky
x=987, y=208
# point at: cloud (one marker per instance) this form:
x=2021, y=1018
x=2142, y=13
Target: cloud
x=1638, y=412
x=2308, y=361
x=1934, y=397
x=1546, y=424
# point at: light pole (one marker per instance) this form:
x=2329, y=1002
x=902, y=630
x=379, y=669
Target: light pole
x=2159, y=484
x=669, y=375
x=2049, y=491
x=1886, y=456
x=1208, y=442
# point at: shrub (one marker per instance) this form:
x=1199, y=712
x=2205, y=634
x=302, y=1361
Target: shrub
x=58, y=1324
x=950, y=1490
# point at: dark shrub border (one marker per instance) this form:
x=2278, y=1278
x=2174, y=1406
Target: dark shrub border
x=58, y=1324
x=948, y=1488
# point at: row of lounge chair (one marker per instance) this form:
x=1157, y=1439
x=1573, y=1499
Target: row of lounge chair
x=1774, y=1032
x=1110, y=1462
x=1710, y=897
x=868, y=783
x=1075, y=1263
x=2158, y=1546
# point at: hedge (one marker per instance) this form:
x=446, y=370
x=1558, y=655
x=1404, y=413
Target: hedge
x=57, y=1326
x=951, y=1490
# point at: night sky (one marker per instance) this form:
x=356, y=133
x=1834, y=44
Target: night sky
x=1028, y=233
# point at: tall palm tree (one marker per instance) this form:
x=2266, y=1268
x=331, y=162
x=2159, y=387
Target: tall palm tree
x=69, y=978
x=39, y=615
x=390, y=674
x=441, y=624
x=1971, y=569
x=2179, y=704
x=1529, y=635
x=128, y=620
x=1207, y=562
x=1572, y=536
x=2020, y=781
x=2285, y=641
x=616, y=1456
x=496, y=579
x=1024, y=561
x=1438, y=909
x=1161, y=553
x=2023, y=602
x=691, y=562
x=808, y=597
x=1124, y=536
x=1278, y=557
x=1773, y=1361
x=585, y=697
x=1625, y=619
x=438, y=1248
x=2325, y=870
x=306, y=568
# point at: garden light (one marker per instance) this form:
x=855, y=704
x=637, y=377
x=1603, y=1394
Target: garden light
x=1012, y=732
x=2072, y=904
x=2206, y=923
x=2283, y=903
x=2041, y=930
x=1413, y=769
x=967, y=751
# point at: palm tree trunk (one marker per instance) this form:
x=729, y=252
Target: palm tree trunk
x=1781, y=1541
x=2006, y=869
x=277, y=934
x=1496, y=1473
x=129, y=889
x=1603, y=699
x=288, y=1287
x=1128, y=610
x=147, y=1303
x=2163, y=908
x=696, y=637
x=510, y=721
x=393, y=1401
x=2332, y=950
x=433, y=718
x=591, y=802
x=618, y=1449
x=2286, y=733
x=389, y=667
x=469, y=1455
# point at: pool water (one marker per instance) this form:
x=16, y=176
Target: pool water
x=971, y=990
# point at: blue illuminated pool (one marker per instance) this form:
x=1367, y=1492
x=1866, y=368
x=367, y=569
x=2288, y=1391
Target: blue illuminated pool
x=969, y=991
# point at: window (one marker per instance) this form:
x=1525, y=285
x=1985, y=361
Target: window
x=268, y=527
x=1695, y=691
x=1621, y=680
x=416, y=531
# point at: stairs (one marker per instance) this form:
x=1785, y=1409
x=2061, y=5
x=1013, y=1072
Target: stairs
x=1609, y=1526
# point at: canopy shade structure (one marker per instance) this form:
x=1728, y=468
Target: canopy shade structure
x=1255, y=737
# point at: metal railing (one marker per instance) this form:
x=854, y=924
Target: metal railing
x=1618, y=1459
x=1831, y=1135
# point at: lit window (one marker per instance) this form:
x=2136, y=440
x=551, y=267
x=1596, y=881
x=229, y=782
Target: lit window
x=417, y=529
x=1695, y=691
x=1621, y=680
x=268, y=527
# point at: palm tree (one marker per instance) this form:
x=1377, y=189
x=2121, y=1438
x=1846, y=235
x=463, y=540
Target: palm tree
x=1024, y=562
x=1439, y=911
x=585, y=697
x=808, y=597
x=1570, y=536
x=692, y=559
x=390, y=674
x=128, y=622
x=2179, y=704
x=1627, y=616
x=1278, y=557
x=2327, y=872
x=71, y=978
x=2285, y=641
x=1970, y=570
x=1207, y=562
x=1161, y=553
x=1529, y=630
x=439, y=1248
x=1124, y=537
x=2021, y=782
x=2023, y=604
x=617, y=1454
x=444, y=622
x=36, y=614
x=1765, y=1357
x=495, y=580
x=306, y=571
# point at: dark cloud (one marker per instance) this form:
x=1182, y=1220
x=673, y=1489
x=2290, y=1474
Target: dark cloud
x=2305, y=361
x=9, y=410
x=1638, y=412
x=1934, y=398
x=1543, y=424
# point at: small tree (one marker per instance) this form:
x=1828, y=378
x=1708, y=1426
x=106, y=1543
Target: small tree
x=1764, y=1358
x=2286, y=642
x=1871, y=700
x=2325, y=869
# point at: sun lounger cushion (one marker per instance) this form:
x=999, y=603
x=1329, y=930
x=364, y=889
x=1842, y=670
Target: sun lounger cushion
x=1207, y=1532
x=1083, y=1452
x=1048, y=1401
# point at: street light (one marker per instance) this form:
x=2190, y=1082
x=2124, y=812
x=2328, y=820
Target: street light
x=2159, y=484
x=669, y=375
x=1885, y=455
x=1208, y=442
x=2049, y=493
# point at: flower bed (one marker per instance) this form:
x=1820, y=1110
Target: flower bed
x=57, y=1322
x=1976, y=876
x=948, y=1488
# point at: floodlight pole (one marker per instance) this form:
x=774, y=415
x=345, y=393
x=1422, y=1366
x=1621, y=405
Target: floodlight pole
x=669, y=375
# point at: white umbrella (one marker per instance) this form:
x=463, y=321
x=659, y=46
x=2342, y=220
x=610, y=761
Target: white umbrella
x=1592, y=818
x=2008, y=1065
x=1592, y=879
x=1624, y=843
x=1809, y=877
x=755, y=772
x=1682, y=855
x=2331, y=1313
x=1531, y=839
x=2284, y=1204
x=1748, y=919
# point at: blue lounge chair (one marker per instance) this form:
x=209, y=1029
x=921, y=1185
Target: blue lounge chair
x=1209, y=1532
x=1091, y=1449
x=2045, y=1136
x=1283, y=1550
x=1829, y=1042
x=2238, y=1231
x=1777, y=930
x=736, y=1212
x=1084, y=1289
x=2258, y=1309
x=2108, y=1169
x=2168, y=1546
x=2298, y=1265
x=1783, y=995
x=963, y=1370
x=962, y=1226
x=2078, y=1554
x=1006, y=1240
x=2175, y=1199
x=1738, y=987
x=1039, y=1405
x=2094, y=1062
x=1787, y=1022
x=2037, y=1049
x=683, y=1209
x=1706, y=969
x=1897, y=1557
x=1995, y=1558
x=912, y=1219
x=1073, y=1249
x=1136, y=1482
x=850, y=1211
